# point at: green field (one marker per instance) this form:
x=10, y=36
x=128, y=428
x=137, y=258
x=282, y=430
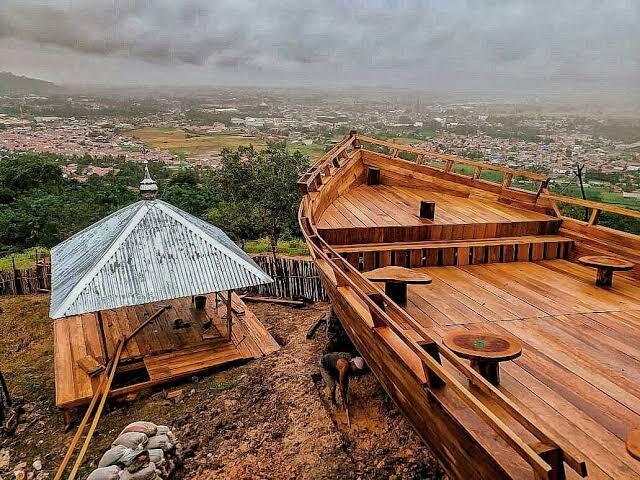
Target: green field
x=24, y=259
x=313, y=151
x=184, y=144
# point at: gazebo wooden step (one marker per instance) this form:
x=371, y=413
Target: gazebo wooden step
x=367, y=257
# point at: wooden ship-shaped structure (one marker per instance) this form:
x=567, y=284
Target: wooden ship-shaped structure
x=494, y=321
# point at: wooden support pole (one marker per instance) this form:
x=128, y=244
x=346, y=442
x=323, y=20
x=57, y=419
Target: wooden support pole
x=103, y=339
x=229, y=314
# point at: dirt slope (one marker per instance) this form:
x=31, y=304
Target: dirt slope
x=264, y=419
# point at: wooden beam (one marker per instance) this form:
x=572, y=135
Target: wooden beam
x=595, y=216
x=96, y=418
x=605, y=207
x=229, y=314
x=453, y=158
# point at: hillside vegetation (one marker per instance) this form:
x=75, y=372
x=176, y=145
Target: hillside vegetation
x=15, y=84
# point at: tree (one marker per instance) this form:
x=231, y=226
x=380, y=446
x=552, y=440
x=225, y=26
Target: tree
x=258, y=191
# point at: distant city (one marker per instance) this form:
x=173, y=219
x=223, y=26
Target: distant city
x=186, y=131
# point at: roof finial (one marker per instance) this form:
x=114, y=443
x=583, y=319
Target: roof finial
x=148, y=186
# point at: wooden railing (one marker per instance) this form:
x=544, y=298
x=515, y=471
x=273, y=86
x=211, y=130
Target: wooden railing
x=452, y=160
x=596, y=207
x=311, y=180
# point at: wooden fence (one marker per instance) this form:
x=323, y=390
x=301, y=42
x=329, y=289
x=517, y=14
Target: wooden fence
x=294, y=278
x=27, y=281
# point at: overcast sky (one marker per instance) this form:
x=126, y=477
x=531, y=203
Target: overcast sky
x=475, y=45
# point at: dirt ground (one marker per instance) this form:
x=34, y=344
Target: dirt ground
x=261, y=420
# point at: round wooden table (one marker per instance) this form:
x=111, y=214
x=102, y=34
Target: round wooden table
x=396, y=280
x=633, y=444
x=485, y=350
x=606, y=266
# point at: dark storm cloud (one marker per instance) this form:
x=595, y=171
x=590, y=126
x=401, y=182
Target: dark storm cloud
x=393, y=41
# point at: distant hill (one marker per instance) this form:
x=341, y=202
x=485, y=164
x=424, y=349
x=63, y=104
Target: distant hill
x=15, y=84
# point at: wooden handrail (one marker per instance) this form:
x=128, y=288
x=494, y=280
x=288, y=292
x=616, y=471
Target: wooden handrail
x=603, y=207
x=453, y=159
x=323, y=165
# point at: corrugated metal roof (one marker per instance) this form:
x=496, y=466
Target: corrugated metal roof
x=146, y=252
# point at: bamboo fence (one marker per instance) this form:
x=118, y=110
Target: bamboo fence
x=294, y=278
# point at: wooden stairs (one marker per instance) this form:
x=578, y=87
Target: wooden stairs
x=367, y=257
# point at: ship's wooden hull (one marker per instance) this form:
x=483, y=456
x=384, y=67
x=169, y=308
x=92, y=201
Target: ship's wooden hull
x=502, y=264
x=462, y=454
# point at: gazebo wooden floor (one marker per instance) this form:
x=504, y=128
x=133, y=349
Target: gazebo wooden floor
x=160, y=352
x=579, y=374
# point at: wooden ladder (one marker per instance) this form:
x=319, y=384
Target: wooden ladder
x=99, y=398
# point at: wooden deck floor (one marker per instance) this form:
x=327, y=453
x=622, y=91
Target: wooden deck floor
x=389, y=206
x=580, y=370
x=167, y=353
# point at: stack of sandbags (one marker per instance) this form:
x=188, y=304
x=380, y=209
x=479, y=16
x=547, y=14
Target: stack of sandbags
x=142, y=451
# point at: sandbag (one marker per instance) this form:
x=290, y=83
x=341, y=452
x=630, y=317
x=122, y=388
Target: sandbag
x=147, y=473
x=156, y=455
x=132, y=440
x=148, y=428
x=160, y=441
x=117, y=455
x=105, y=473
x=164, y=430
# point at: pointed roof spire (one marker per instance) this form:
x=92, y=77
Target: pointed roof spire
x=148, y=186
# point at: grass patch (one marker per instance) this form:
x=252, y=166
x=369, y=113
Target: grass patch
x=313, y=151
x=180, y=142
x=291, y=248
x=24, y=259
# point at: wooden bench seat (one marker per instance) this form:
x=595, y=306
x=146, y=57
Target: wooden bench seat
x=367, y=257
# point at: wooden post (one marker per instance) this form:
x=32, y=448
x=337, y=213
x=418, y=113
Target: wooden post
x=373, y=176
x=102, y=337
x=595, y=216
x=448, y=166
x=506, y=181
x=356, y=142
x=432, y=349
x=229, y=314
x=554, y=456
x=427, y=209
